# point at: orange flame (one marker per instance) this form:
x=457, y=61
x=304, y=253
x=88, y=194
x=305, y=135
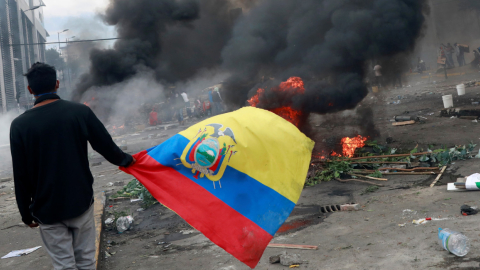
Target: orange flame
x=256, y=99
x=87, y=103
x=294, y=85
x=349, y=145
x=289, y=114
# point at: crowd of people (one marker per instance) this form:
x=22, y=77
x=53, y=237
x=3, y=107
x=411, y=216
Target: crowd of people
x=447, y=52
x=179, y=103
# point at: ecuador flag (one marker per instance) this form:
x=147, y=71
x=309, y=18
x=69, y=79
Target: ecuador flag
x=235, y=177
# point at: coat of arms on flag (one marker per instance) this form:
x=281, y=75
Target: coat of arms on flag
x=210, y=151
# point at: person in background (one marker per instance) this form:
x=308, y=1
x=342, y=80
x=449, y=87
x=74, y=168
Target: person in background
x=449, y=51
x=476, y=62
x=153, y=117
x=207, y=107
x=217, y=101
x=460, y=55
x=53, y=181
x=199, y=112
x=187, y=104
x=442, y=57
x=378, y=75
x=421, y=66
x=180, y=105
x=210, y=96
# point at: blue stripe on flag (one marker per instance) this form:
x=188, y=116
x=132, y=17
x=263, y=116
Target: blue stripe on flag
x=259, y=203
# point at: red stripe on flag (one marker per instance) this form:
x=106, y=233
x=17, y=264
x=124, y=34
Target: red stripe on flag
x=224, y=226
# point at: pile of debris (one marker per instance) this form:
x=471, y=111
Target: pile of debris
x=135, y=191
x=383, y=161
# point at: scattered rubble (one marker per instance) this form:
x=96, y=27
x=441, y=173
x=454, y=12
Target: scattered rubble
x=274, y=259
x=8, y=179
x=290, y=259
x=467, y=210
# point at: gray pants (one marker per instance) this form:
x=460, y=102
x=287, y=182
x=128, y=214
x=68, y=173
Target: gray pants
x=71, y=243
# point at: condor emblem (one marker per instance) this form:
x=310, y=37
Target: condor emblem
x=209, y=152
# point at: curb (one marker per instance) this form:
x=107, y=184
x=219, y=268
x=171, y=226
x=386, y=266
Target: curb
x=98, y=209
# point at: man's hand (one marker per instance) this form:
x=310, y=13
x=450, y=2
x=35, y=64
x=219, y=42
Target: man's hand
x=33, y=225
x=133, y=162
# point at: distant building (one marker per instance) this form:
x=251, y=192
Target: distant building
x=19, y=24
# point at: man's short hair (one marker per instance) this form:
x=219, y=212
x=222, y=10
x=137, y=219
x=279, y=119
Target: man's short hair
x=42, y=78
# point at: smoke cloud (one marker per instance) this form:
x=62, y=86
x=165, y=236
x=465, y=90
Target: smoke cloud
x=5, y=121
x=174, y=38
x=327, y=43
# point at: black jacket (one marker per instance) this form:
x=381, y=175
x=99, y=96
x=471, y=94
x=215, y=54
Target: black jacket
x=52, y=177
x=216, y=96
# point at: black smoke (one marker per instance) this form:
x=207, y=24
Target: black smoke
x=328, y=43
x=174, y=38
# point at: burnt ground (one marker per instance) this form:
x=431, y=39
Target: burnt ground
x=367, y=239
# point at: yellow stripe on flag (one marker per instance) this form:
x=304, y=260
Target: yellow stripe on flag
x=268, y=148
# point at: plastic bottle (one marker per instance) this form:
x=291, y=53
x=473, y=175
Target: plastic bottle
x=455, y=242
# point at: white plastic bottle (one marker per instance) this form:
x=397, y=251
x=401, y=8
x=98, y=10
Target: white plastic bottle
x=455, y=242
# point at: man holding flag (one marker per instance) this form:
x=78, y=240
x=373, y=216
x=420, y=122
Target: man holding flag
x=53, y=182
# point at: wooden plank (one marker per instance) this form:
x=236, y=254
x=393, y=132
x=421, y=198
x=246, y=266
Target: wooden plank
x=469, y=117
x=409, y=170
x=389, y=156
x=403, y=173
x=400, y=170
x=411, y=122
x=98, y=209
x=120, y=199
x=292, y=246
x=438, y=177
x=369, y=177
x=381, y=162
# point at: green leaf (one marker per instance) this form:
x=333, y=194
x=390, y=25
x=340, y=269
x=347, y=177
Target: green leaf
x=376, y=174
x=424, y=158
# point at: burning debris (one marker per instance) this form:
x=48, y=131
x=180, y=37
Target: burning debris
x=292, y=87
x=374, y=166
x=349, y=145
x=326, y=43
